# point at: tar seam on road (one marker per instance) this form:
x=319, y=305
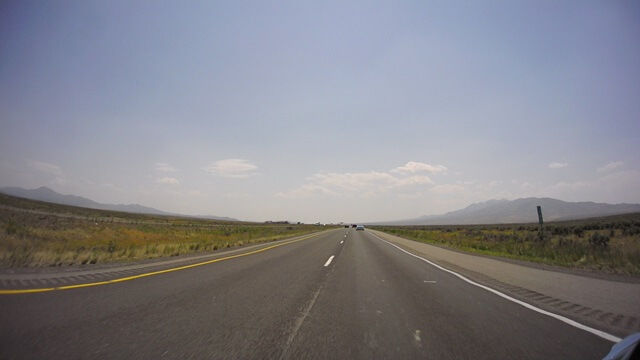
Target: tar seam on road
x=300, y=320
x=113, y=281
x=568, y=321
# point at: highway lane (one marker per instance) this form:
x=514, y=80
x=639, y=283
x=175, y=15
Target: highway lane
x=370, y=301
x=379, y=302
x=239, y=308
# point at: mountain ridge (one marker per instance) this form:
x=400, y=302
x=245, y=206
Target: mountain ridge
x=46, y=194
x=521, y=210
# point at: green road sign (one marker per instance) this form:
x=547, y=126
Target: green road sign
x=540, y=215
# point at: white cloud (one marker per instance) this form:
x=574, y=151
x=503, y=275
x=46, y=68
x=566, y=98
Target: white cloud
x=618, y=187
x=563, y=188
x=165, y=167
x=46, y=168
x=196, y=193
x=527, y=186
x=352, y=181
x=369, y=195
x=411, y=196
x=236, y=195
x=372, y=180
x=414, y=180
x=306, y=191
x=448, y=189
x=168, y=181
x=55, y=171
x=363, y=184
x=112, y=187
x=412, y=167
x=557, y=165
x=610, y=166
x=232, y=168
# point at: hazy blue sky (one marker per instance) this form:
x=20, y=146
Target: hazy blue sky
x=321, y=111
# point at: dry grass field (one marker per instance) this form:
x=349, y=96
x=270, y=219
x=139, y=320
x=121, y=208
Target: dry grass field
x=35, y=233
x=610, y=244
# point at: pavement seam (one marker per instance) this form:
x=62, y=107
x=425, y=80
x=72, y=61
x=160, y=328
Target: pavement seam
x=299, y=321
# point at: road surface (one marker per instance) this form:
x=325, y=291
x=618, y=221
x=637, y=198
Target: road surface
x=341, y=294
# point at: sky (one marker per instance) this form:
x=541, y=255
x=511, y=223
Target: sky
x=321, y=111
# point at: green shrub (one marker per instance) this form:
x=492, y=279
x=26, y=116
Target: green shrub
x=112, y=246
x=599, y=241
x=631, y=231
x=578, y=231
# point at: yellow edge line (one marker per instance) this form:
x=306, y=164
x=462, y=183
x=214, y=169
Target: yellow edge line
x=112, y=281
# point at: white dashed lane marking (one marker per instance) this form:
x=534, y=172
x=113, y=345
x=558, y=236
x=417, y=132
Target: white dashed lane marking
x=329, y=261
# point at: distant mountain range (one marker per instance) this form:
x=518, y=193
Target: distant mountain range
x=48, y=195
x=520, y=211
x=488, y=212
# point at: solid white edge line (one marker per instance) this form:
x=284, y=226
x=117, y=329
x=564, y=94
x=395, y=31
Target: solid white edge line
x=329, y=261
x=573, y=323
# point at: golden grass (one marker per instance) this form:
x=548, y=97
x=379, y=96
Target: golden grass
x=610, y=244
x=47, y=239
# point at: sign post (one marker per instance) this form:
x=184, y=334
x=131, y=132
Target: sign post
x=540, y=216
x=540, y=222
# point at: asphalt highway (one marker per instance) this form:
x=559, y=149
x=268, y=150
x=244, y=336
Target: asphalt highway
x=341, y=294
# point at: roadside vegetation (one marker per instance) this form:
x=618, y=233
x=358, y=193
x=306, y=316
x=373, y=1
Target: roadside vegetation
x=609, y=244
x=40, y=234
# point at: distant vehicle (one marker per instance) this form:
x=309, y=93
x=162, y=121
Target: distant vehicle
x=354, y=225
x=360, y=227
x=347, y=226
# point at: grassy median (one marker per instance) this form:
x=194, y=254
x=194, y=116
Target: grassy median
x=610, y=244
x=41, y=234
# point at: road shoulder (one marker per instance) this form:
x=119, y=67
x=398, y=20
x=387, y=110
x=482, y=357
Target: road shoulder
x=597, y=301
